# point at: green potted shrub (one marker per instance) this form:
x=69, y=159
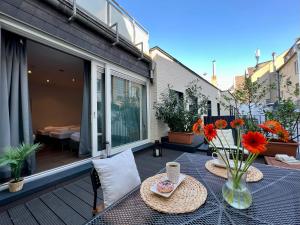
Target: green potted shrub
x=180, y=112
x=15, y=157
x=286, y=114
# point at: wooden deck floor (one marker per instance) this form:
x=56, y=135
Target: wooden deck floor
x=71, y=204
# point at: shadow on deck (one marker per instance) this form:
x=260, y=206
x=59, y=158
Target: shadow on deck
x=70, y=203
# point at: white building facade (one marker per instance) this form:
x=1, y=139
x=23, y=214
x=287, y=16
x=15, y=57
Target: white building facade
x=169, y=71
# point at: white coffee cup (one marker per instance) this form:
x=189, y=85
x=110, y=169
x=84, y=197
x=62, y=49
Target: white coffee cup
x=173, y=171
x=217, y=156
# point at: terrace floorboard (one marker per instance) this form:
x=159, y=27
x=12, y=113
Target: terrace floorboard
x=72, y=203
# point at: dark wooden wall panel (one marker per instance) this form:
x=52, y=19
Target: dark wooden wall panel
x=43, y=17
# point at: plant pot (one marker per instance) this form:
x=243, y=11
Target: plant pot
x=276, y=147
x=181, y=137
x=15, y=186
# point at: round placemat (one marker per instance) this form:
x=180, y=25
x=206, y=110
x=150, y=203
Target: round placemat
x=188, y=196
x=253, y=174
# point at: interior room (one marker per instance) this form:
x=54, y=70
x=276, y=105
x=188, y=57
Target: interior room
x=56, y=92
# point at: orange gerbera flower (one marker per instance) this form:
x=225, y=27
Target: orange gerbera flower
x=198, y=127
x=254, y=142
x=210, y=132
x=265, y=128
x=283, y=135
x=237, y=123
x=271, y=126
x=221, y=124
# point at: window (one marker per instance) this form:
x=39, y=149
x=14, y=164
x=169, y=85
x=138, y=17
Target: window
x=179, y=95
x=230, y=110
x=219, y=109
x=193, y=105
x=208, y=108
x=128, y=111
x=296, y=91
x=296, y=67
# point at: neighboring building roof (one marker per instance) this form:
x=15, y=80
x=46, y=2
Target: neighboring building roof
x=239, y=81
x=181, y=64
x=266, y=67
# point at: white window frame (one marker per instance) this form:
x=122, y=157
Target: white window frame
x=134, y=78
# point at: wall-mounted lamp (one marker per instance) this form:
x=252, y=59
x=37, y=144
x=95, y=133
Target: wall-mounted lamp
x=48, y=81
x=73, y=80
x=29, y=72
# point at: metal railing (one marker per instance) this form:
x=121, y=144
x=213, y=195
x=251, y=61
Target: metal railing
x=117, y=18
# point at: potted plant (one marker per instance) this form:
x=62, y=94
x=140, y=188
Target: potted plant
x=235, y=191
x=180, y=112
x=281, y=136
x=15, y=157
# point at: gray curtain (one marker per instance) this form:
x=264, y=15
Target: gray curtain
x=15, y=116
x=85, y=146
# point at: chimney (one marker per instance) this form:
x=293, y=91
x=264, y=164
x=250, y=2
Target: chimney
x=257, y=55
x=214, y=67
x=214, y=76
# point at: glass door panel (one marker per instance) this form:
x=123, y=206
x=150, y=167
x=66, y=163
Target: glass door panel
x=128, y=111
x=101, y=137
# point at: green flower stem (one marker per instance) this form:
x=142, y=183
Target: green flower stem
x=227, y=160
x=230, y=151
x=217, y=150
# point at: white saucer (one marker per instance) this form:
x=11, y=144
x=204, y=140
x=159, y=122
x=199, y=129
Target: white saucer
x=167, y=195
x=218, y=164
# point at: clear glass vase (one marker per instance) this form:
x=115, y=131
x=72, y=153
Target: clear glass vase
x=235, y=190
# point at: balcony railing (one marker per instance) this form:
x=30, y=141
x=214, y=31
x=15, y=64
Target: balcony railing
x=117, y=18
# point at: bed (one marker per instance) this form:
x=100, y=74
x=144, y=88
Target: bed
x=60, y=134
x=75, y=137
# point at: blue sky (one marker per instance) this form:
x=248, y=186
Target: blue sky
x=229, y=31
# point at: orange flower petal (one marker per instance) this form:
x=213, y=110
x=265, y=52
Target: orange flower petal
x=254, y=142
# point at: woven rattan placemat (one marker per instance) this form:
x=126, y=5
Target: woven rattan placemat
x=188, y=196
x=253, y=174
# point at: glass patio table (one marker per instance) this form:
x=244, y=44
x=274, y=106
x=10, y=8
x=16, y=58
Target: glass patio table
x=276, y=200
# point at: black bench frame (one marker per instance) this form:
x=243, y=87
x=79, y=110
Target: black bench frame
x=96, y=184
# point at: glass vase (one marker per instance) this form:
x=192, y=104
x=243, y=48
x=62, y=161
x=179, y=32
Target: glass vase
x=235, y=191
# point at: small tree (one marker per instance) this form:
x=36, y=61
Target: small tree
x=285, y=113
x=251, y=94
x=174, y=111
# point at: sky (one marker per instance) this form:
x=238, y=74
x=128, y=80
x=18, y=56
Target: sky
x=229, y=31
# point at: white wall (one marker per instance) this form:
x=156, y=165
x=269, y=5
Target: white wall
x=55, y=105
x=170, y=72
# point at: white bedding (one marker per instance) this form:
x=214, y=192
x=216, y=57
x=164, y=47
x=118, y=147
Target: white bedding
x=75, y=136
x=58, y=131
x=61, y=134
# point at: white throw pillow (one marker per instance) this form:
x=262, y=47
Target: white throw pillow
x=118, y=176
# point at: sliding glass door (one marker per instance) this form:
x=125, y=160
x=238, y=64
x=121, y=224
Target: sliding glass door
x=128, y=111
x=99, y=118
x=101, y=137
x=119, y=110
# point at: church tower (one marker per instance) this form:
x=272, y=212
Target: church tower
x=214, y=76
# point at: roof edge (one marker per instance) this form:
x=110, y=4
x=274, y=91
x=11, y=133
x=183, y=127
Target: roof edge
x=181, y=64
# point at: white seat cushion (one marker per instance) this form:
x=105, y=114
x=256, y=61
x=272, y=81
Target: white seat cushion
x=226, y=137
x=227, y=133
x=118, y=176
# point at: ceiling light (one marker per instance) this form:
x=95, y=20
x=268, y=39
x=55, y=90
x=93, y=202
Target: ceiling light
x=29, y=72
